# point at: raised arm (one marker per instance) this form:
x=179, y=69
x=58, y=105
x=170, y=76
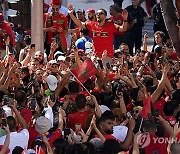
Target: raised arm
x=125, y=22
x=76, y=21
x=161, y=84
x=7, y=141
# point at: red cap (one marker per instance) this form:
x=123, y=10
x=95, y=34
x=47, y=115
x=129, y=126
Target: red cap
x=91, y=10
x=45, y=5
x=97, y=89
x=1, y=17
x=56, y=2
x=111, y=76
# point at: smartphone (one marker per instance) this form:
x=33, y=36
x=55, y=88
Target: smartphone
x=128, y=114
x=108, y=66
x=4, y=122
x=12, y=95
x=32, y=46
x=77, y=128
x=5, y=99
x=52, y=96
x=67, y=131
x=100, y=63
x=33, y=104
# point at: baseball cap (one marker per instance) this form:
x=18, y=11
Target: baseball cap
x=42, y=125
x=61, y=58
x=56, y=2
x=90, y=10
x=52, y=82
x=58, y=53
x=120, y=132
x=80, y=10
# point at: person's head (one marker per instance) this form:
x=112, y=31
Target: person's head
x=113, y=10
x=159, y=37
x=84, y=32
x=34, y=64
x=41, y=146
x=135, y=3
x=111, y=146
x=137, y=94
x=20, y=97
x=175, y=148
x=80, y=101
x=101, y=15
x=11, y=121
x=73, y=87
x=39, y=55
x=55, y=6
x=27, y=39
x=169, y=108
x=105, y=125
x=39, y=74
x=81, y=15
x=59, y=146
x=149, y=126
x=91, y=14
x=17, y=150
x=124, y=47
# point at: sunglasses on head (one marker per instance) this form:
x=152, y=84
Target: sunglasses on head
x=100, y=13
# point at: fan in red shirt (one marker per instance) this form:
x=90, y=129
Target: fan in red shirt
x=103, y=30
x=5, y=28
x=80, y=116
x=55, y=25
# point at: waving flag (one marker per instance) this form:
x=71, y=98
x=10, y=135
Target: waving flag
x=85, y=71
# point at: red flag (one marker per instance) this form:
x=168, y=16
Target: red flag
x=85, y=71
x=147, y=107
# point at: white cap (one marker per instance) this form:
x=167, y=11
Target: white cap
x=104, y=108
x=120, y=132
x=52, y=82
x=61, y=58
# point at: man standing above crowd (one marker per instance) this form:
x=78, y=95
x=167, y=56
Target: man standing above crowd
x=6, y=30
x=55, y=26
x=135, y=33
x=103, y=30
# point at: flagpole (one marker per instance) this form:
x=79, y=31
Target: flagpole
x=80, y=83
x=140, y=125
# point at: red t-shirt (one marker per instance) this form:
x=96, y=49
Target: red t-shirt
x=118, y=21
x=103, y=37
x=77, y=117
x=159, y=105
x=6, y=27
x=156, y=146
x=59, y=21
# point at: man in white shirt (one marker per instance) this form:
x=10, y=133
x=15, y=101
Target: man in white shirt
x=16, y=138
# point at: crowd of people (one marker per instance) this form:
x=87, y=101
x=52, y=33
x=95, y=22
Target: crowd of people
x=94, y=89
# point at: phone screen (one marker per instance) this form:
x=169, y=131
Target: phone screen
x=33, y=104
x=100, y=63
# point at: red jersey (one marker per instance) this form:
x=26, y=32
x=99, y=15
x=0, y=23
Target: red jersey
x=77, y=117
x=118, y=21
x=159, y=105
x=59, y=21
x=103, y=37
x=7, y=29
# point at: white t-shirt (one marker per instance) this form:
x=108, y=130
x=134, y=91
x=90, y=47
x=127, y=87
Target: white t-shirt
x=49, y=114
x=17, y=139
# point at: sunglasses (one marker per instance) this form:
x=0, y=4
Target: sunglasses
x=55, y=9
x=100, y=13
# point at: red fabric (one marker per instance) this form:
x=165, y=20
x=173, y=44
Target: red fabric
x=55, y=2
x=56, y=134
x=85, y=71
x=32, y=135
x=130, y=106
x=97, y=89
x=78, y=117
x=153, y=147
x=1, y=146
x=90, y=10
x=171, y=120
x=59, y=21
x=118, y=21
x=159, y=105
x=84, y=93
x=111, y=76
x=147, y=107
x=26, y=114
x=105, y=35
x=1, y=17
x=178, y=137
x=174, y=55
x=6, y=27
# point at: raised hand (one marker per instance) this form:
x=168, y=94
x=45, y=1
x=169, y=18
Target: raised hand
x=124, y=14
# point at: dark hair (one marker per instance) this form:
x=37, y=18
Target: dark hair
x=115, y=7
x=17, y=150
x=20, y=96
x=85, y=31
x=105, y=12
x=169, y=108
x=73, y=86
x=59, y=146
x=102, y=119
x=111, y=147
x=162, y=35
x=149, y=124
x=39, y=143
x=11, y=123
x=27, y=39
x=88, y=84
x=80, y=101
x=109, y=115
x=175, y=94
